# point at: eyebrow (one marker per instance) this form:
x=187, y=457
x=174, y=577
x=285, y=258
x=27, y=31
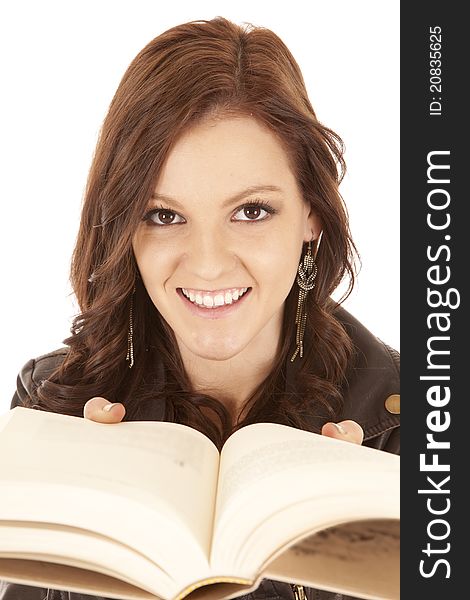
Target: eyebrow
x=254, y=189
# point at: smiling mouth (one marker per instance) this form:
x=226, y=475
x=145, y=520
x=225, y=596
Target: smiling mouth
x=213, y=300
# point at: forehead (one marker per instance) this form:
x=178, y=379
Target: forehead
x=220, y=156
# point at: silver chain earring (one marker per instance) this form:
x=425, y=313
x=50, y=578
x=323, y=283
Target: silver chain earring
x=130, y=333
x=306, y=274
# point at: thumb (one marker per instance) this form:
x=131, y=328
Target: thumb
x=102, y=411
x=348, y=430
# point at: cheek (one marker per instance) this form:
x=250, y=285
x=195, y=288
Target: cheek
x=275, y=260
x=154, y=262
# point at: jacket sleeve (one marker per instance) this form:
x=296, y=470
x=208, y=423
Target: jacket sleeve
x=392, y=443
x=388, y=439
x=33, y=373
x=24, y=383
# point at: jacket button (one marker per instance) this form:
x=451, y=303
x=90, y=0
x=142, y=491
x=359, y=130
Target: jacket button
x=392, y=404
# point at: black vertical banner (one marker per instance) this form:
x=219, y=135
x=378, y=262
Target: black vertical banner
x=435, y=252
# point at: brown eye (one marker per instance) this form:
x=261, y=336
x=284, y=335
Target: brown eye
x=252, y=212
x=163, y=216
x=255, y=212
x=166, y=216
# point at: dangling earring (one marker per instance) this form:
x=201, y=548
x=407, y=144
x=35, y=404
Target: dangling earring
x=130, y=333
x=306, y=274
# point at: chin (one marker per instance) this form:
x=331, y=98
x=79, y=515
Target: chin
x=216, y=349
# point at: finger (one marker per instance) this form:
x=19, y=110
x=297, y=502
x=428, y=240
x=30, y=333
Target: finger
x=349, y=431
x=94, y=410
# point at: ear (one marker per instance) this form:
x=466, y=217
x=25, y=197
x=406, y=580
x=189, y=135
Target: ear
x=313, y=224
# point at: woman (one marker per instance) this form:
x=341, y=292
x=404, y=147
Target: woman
x=212, y=237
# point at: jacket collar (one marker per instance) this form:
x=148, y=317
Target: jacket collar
x=373, y=377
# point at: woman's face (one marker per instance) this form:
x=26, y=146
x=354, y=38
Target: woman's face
x=219, y=246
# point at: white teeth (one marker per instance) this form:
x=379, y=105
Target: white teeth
x=208, y=301
x=219, y=300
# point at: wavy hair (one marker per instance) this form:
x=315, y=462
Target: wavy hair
x=192, y=71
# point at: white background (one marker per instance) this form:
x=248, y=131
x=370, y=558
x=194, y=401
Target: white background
x=61, y=64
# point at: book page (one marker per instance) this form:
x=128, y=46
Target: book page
x=358, y=559
x=22, y=541
x=4, y=419
x=150, y=485
x=277, y=483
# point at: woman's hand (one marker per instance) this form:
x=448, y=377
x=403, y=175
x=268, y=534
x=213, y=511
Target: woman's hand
x=102, y=411
x=349, y=431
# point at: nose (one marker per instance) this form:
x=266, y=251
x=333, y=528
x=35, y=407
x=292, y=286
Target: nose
x=209, y=256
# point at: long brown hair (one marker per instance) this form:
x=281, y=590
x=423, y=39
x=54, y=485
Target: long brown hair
x=195, y=70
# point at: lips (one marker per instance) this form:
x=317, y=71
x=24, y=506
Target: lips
x=214, y=312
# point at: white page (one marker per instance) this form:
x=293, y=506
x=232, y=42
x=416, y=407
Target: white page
x=268, y=469
x=158, y=468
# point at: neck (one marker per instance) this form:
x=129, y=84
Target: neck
x=233, y=381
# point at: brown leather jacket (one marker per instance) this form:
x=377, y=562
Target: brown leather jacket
x=371, y=398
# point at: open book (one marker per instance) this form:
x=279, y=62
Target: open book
x=146, y=510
